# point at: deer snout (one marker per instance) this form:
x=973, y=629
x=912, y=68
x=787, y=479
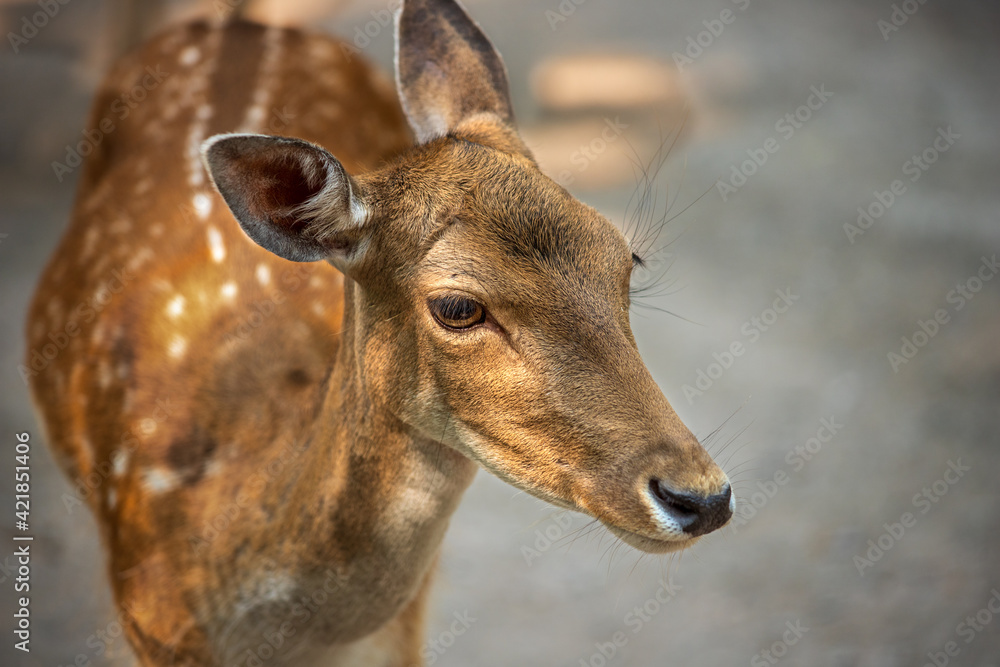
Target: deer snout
x=693, y=513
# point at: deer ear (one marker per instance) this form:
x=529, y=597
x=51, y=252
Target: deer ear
x=447, y=70
x=290, y=196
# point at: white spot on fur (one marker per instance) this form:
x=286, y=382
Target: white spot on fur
x=276, y=587
x=178, y=346
x=85, y=454
x=89, y=243
x=319, y=308
x=190, y=56
x=215, y=245
x=156, y=229
x=263, y=274
x=97, y=337
x=196, y=178
x=322, y=50
x=120, y=226
x=202, y=205
x=228, y=290
x=255, y=115
x=159, y=480
x=417, y=505
x=102, y=296
x=119, y=462
x=148, y=426
x=329, y=110
x=175, y=308
x=194, y=93
x=268, y=79
x=142, y=256
x=112, y=498
x=104, y=375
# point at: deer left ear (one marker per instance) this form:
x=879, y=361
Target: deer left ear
x=447, y=71
x=290, y=196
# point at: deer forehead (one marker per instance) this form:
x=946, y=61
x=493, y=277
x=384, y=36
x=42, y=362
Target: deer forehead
x=495, y=219
x=511, y=254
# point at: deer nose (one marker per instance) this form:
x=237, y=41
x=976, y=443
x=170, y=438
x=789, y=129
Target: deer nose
x=695, y=514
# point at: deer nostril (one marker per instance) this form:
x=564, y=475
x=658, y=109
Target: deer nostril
x=679, y=502
x=694, y=514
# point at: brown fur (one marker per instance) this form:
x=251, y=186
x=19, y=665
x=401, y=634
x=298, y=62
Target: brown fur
x=258, y=442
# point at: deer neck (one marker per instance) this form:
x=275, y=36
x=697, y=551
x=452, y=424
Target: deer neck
x=385, y=492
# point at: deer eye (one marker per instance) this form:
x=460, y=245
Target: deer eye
x=456, y=312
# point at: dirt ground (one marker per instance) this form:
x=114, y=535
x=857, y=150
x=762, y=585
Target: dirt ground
x=859, y=418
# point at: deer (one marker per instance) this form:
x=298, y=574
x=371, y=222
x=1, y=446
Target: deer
x=296, y=309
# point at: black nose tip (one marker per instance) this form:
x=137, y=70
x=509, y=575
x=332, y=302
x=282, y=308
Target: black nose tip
x=695, y=514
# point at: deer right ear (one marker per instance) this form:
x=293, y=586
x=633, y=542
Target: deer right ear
x=447, y=70
x=290, y=196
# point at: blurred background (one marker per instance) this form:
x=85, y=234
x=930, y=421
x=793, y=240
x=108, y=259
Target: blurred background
x=822, y=300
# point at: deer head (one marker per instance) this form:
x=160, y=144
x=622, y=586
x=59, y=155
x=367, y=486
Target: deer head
x=487, y=309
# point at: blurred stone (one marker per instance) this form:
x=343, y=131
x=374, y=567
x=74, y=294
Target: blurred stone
x=299, y=13
x=605, y=81
x=590, y=153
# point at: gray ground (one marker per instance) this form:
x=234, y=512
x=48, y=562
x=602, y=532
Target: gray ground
x=895, y=432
